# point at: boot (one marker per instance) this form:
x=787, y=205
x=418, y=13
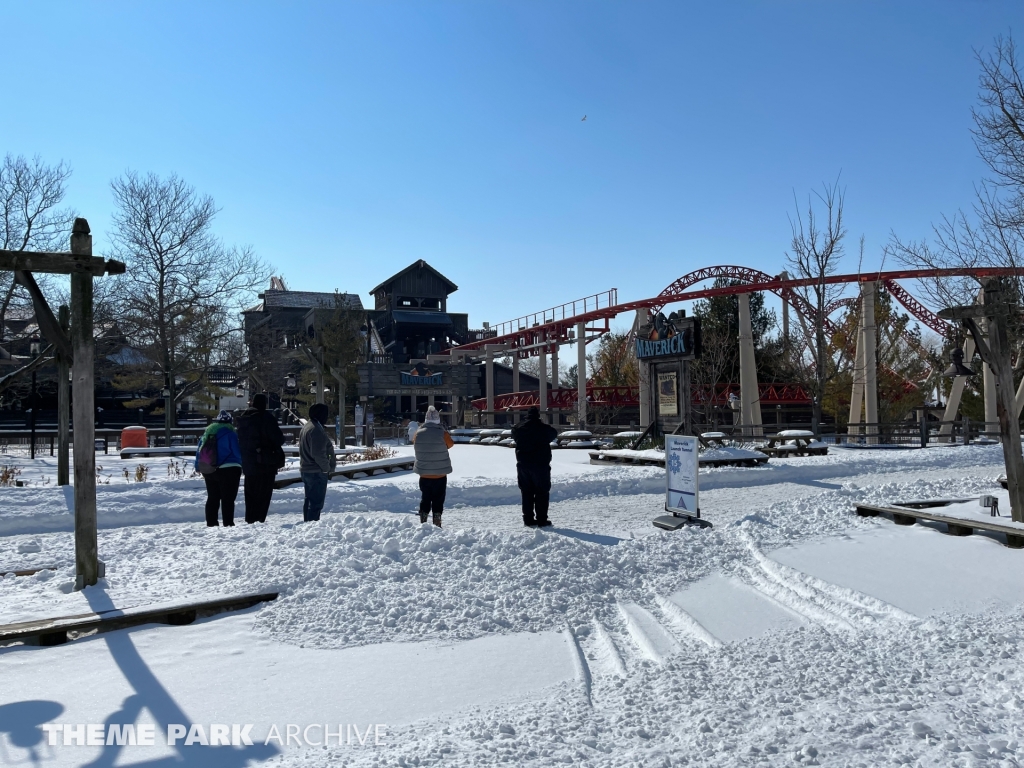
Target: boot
x=437, y=519
x=545, y=523
x=423, y=517
x=529, y=522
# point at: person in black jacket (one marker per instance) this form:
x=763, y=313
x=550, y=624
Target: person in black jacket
x=533, y=466
x=260, y=439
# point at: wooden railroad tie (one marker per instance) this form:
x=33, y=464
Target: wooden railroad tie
x=56, y=631
x=955, y=526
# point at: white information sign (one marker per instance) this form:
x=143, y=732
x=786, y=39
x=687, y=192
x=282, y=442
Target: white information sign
x=681, y=474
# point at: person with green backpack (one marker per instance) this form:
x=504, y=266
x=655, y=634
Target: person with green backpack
x=219, y=461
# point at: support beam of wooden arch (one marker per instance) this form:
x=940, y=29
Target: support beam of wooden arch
x=76, y=348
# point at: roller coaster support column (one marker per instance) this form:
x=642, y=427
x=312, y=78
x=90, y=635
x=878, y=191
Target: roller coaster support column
x=554, y=381
x=581, y=374
x=489, y=350
x=857, y=395
x=955, y=392
x=515, y=382
x=988, y=380
x=643, y=317
x=750, y=404
x=542, y=374
x=868, y=345
x=785, y=316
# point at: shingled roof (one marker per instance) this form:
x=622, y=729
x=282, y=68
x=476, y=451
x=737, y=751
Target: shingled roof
x=309, y=299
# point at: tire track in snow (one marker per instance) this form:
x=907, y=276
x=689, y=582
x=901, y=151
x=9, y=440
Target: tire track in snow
x=579, y=661
x=855, y=607
x=790, y=600
x=685, y=623
x=654, y=641
x=606, y=652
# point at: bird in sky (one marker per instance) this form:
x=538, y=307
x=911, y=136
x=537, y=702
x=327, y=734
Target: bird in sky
x=584, y=119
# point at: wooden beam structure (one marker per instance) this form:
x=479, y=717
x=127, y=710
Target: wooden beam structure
x=995, y=351
x=74, y=350
x=60, y=263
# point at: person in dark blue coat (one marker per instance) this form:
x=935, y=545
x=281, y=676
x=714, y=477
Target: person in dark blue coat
x=533, y=467
x=260, y=439
x=222, y=482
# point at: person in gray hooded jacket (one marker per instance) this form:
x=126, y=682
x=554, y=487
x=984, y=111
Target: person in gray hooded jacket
x=433, y=465
x=316, y=461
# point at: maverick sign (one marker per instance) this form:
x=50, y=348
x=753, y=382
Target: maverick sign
x=669, y=338
x=414, y=379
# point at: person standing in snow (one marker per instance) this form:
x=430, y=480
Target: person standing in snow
x=533, y=466
x=260, y=439
x=316, y=461
x=222, y=482
x=433, y=464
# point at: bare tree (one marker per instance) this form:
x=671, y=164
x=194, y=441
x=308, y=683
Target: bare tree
x=718, y=349
x=992, y=233
x=31, y=219
x=816, y=250
x=180, y=299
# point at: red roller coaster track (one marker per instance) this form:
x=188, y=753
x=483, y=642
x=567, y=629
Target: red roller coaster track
x=540, y=337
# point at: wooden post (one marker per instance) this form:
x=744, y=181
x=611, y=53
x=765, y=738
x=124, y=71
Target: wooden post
x=83, y=391
x=63, y=407
x=1006, y=410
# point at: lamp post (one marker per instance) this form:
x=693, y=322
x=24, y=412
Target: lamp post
x=290, y=387
x=168, y=413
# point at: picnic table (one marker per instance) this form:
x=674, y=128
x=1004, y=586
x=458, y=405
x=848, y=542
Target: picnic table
x=713, y=439
x=794, y=442
x=574, y=438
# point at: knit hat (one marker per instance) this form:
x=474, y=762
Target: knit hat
x=259, y=401
x=533, y=412
x=224, y=417
x=433, y=417
x=318, y=413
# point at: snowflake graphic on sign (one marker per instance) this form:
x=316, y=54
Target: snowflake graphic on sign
x=675, y=463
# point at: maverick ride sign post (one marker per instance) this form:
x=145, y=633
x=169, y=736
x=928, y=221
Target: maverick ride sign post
x=666, y=346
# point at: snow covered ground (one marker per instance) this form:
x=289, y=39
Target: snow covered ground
x=793, y=632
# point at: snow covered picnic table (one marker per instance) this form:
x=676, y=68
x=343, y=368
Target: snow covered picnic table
x=725, y=456
x=349, y=471
x=794, y=442
x=162, y=450
x=293, y=450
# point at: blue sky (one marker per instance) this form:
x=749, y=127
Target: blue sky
x=346, y=140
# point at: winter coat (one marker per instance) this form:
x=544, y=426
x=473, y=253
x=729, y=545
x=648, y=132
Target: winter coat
x=432, y=443
x=533, y=442
x=316, y=451
x=258, y=434
x=228, y=453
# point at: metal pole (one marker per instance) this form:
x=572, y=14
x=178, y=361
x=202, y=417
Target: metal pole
x=581, y=373
x=87, y=564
